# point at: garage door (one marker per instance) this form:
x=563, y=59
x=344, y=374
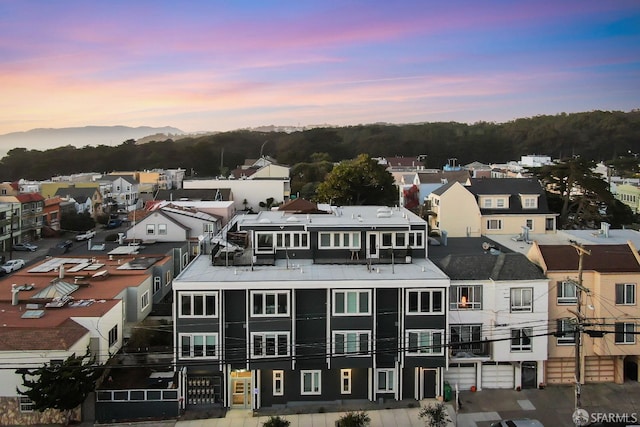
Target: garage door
x=500, y=375
x=463, y=374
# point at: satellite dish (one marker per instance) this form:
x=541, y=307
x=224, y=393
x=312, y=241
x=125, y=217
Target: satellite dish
x=200, y=238
x=486, y=246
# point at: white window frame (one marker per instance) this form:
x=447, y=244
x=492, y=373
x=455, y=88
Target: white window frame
x=420, y=311
x=315, y=376
x=520, y=347
x=157, y=284
x=168, y=276
x=567, y=326
x=264, y=337
x=474, y=297
x=265, y=249
x=278, y=382
x=522, y=307
x=628, y=333
x=529, y=202
x=529, y=223
x=562, y=291
x=340, y=240
x=193, y=296
x=265, y=295
x=346, y=293
x=26, y=404
x=349, y=336
x=402, y=239
x=162, y=229
x=390, y=386
x=487, y=203
x=345, y=381
x=628, y=293
x=494, y=224
x=292, y=240
x=425, y=340
x=501, y=203
x=151, y=229
x=144, y=300
x=192, y=353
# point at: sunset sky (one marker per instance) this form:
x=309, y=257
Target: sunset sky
x=213, y=65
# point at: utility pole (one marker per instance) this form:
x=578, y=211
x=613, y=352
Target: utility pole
x=579, y=327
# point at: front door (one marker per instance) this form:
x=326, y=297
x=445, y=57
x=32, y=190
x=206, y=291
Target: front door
x=372, y=246
x=529, y=375
x=428, y=383
x=241, y=390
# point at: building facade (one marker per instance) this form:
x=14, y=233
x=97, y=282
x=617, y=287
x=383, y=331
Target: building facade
x=315, y=307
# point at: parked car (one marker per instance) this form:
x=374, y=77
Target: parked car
x=25, y=247
x=12, y=265
x=85, y=235
x=65, y=244
x=113, y=223
x=522, y=422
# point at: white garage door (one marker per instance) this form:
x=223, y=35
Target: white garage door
x=499, y=375
x=463, y=374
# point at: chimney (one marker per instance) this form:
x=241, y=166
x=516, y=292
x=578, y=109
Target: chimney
x=604, y=227
x=14, y=294
x=61, y=271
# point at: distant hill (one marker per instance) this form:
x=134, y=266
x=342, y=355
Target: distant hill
x=44, y=139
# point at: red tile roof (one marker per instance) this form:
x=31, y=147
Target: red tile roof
x=62, y=337
x=603, y=258
x=29, y=197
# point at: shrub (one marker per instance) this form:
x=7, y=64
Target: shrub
x=276, y=422
x=434, y=415
x=354, y=419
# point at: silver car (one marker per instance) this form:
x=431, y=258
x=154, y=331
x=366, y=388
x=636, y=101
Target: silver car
x=25, y=247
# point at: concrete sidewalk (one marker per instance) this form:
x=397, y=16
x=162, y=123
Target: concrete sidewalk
x=403, y=417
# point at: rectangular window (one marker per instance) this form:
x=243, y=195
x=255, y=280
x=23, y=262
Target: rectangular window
x=521, y=300
x=202, y=304
x=311, y=382
x=270, y=344
x=345, y=381
x=264, y=243
x=567, y=293
x=565, y=331
x=625, y=293
x=270, y=303
x=529, y=202
x=465, y=297
x=425, y=342
x=198, y=346
x=521, y=339
x=529, y=224
x=385, y=380
x=26, y=404
x=151, y=229
x=167, y=277
x=466, y=339
x=425, y=301
x=352, y=342
x=494, y=224
x=144, y=300
x=278, y=383
x=351, y=303
x=500, y=203
x=625, y=333
x=157, y=283
x=162, y=229
x=292, y=240
x=487, y=203
x=350, y=240
x=113, y=335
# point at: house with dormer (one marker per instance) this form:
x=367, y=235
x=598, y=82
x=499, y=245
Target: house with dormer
x=497, y=206
x=86, y=199
x=304, y=305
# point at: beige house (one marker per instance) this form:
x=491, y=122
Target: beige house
x=495, y=206
x=610, y=348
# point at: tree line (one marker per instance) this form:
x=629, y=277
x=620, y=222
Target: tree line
x=597, y=135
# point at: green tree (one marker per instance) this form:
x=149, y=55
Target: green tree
x=434, y=415
x=77, y=221
x=354, y=419
x=361, y=181
x=583, y=192
x=61, y=386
